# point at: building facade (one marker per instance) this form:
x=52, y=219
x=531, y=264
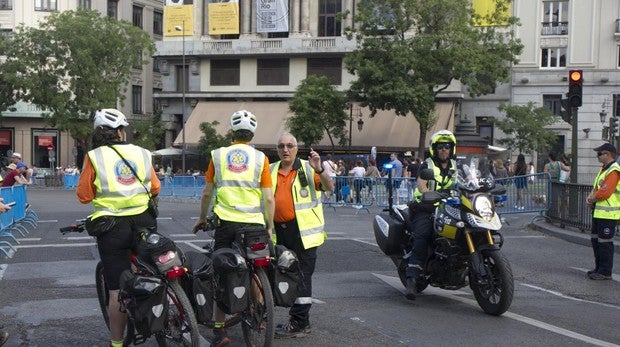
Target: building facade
x=23, y=130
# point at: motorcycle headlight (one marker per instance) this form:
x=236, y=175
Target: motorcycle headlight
x=483, y=207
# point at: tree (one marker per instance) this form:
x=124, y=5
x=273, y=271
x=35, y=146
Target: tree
x=73, y=64
x=211, y=139
x=409, y=51
x=525, y=126
x=149, y=133
x=7, y=95
x=319, y=110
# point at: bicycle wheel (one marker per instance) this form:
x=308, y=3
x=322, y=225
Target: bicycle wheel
x=258, y=321
x=181, y=327
x=103, y=295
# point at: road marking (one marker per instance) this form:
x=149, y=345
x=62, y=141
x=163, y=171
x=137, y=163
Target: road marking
x=164, y=218
x=48, y=221
x=57, y=245
x=27, y=239
x=564, y=296
x=183, y=235
x=2, y=269
x=395, y=283
x=78, y=238
x=614, y=277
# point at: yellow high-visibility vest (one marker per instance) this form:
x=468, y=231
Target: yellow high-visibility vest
x=610, y=208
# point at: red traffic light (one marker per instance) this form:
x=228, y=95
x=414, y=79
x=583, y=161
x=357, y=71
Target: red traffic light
x=575, y=76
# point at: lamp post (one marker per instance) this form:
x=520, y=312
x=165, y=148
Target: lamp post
x=182, y=30
x=360, y=124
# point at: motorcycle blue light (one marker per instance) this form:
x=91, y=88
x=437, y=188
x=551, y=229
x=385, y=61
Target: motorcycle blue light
x=388, y=166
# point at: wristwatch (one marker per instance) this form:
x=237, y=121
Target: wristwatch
x=320, y=172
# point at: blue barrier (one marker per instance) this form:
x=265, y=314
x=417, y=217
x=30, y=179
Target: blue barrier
x=16, y=219
x=70, y=181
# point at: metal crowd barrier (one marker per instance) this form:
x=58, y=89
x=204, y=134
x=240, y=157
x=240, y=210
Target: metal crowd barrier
x=17, y=219
x=182, y=186
x=525, y=194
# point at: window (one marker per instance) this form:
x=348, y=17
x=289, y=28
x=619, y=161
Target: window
x=329, y=25
x=136, y=99
x=180, y=72
x=113, y=9
x=553, y=57
x=6, y=4
x=6, y=33
x=555, y=18
x=225, y=72
x=554, y=103
x=138, y=62
x=45, y=5
x=86, y=4
x=279, y=35
x=158, y=23
x=272, y=72
x=328, y=67
x=42, y=139
x=616, y=105
x=618, y=56
x=156, y=102
x=137, y=16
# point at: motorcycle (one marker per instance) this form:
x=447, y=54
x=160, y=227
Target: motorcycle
x=467, y=247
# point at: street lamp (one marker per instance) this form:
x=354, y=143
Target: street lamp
x=360, y=124
x=181, y=28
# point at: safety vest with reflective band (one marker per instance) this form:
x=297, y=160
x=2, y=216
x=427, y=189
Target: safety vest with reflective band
x=308, y=207
x=610, y=208
x=238, y=171
x=440, y=181
x=118, y=191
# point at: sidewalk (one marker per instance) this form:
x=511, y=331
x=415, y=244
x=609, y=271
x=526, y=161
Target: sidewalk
x=569, y=234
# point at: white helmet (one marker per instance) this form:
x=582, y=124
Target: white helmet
x=243, y=120
x=110, y=117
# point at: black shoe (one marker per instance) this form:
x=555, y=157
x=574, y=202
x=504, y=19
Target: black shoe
x=411, y=288
x=596, y=276
x=592, y=271
x=292, y=328
x=220, y=339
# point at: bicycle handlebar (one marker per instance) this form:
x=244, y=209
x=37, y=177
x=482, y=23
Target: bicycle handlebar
x=74, y=228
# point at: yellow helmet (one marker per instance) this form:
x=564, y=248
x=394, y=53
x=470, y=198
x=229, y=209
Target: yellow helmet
x=443, y=136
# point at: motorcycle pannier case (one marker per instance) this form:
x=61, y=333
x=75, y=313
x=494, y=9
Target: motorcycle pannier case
x=234, y=280
x=200, y=287
x=145, y=300
x=285, y=277
x=390, y=234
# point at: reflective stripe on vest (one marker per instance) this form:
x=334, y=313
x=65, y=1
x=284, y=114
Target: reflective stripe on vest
x=610, y=208
x=441, y=183
x=308, y=210
x=118, y=191
x=237, y=173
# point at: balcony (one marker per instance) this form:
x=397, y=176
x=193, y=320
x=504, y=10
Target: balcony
x=554, y=28
x=256, y=47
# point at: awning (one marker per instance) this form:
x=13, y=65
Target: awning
x=385, y=130
x=173, y=151
x=496, y=149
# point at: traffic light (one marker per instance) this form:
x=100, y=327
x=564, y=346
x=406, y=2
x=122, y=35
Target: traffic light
x=575, y=86
x=613, y=126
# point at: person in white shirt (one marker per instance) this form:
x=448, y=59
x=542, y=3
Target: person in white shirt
x=358, y=172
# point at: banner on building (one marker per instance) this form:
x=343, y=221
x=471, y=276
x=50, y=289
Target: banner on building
x=486, y=10
x=223, y=17
x=45, y=141
x=178, y=14
x=5, y=137
x=272, y=16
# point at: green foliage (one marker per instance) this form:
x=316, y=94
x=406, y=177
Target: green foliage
x=411, y=50
x=319, y=109
x=525, y=126
x=73, y=64
x=211, y=139
x=7, y=97
x=149, y=133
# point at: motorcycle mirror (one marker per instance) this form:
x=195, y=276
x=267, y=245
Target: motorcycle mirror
x=431, y=197
x=427, y=174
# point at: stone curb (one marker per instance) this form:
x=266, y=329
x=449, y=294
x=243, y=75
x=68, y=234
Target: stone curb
x=568, y=234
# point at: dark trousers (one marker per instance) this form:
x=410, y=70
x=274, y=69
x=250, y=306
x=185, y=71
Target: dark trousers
x=422, y=238
x=603, y=231
x=288, y=236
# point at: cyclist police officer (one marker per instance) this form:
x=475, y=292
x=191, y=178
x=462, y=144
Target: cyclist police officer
x=441, y=161
x=241, y=175
x=118, y=196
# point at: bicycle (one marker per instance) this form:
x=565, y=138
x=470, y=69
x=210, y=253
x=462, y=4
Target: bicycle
x=257, y=319
x=163, y=266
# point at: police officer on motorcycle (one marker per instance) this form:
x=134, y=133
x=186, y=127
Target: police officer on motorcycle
x=443, y=164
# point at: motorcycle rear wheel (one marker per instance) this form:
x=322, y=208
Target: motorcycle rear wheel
x=257, y=322
x=494, y=292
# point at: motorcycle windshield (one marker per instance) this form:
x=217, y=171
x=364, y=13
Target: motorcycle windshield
x=473, y=177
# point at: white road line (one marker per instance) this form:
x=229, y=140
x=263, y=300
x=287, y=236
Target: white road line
x=59, y=245
x=164, y=218
x=395, y=283
x=183, y=235
x=48, y=221
x=614, y=277
x=70, y=238
x=564, y=296
x=28, y=239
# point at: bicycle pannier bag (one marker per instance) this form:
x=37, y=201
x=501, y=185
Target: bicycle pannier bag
x=285, y=277
x=145, y=300
x=200, y=288
x=234, y=280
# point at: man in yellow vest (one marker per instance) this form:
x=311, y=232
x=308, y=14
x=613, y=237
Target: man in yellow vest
x=605, y=203
x=241, y=175
x=299, y=222
x=120, y=201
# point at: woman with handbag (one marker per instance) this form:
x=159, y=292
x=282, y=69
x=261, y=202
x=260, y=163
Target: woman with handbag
x=120, y=181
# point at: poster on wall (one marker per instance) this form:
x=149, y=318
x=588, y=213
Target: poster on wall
x=272, y=16
x=5, y=138
x=178, y=13
x=223, y=17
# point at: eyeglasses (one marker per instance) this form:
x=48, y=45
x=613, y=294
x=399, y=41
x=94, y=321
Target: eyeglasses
x=444, y=146
x=598, y=154
x=287, y=145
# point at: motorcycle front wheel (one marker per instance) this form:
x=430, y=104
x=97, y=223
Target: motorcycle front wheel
x=181, y=327
x=494, y=291
x=258, y=321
